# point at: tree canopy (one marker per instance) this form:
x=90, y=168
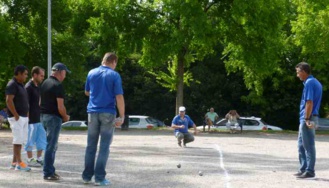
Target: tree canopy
x=198, y=53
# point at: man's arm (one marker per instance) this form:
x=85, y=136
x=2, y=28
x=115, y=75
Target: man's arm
x=195, y=130
x=308, y=109
x=177, y=126
x=87, y=93
x=62, y=109
x=11, y=106
x=121, y=108
x=308, y=112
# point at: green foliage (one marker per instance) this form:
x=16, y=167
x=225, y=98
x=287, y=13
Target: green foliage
x=170, y=80
x=11, y=51
x=233, y=54
x=310, y=29
x=254, y=39
x=178, y=27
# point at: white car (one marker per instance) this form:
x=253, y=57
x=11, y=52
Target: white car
x=247, y=123
x=323, y=124
x=136, y=121
x=74, y=124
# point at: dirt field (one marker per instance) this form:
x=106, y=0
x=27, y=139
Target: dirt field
x=148, y=158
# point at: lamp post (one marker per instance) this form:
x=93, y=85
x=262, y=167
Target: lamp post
x=49, y=38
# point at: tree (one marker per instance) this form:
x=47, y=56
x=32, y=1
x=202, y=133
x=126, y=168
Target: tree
x=310, y=32
x=180, y=32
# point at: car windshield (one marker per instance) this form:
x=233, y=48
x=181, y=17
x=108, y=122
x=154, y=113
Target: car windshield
x=151, y=120
x=222, y=122
x=134, y=121
x=264, y=122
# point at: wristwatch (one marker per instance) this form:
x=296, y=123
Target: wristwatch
x=119, y=119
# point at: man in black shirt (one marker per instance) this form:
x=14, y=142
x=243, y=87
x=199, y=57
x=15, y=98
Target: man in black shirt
x=18, y=108
x=37, y=133
x=53, y=113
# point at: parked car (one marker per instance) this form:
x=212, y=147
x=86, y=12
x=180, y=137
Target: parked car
x=323, y=124
x=247, y=123
x=136, y=121
x=74, y=124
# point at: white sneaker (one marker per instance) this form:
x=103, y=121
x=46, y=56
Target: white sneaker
x=34, y=163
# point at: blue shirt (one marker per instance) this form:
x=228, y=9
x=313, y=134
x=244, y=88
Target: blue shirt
x=3, y=114
x=103, y=84
x=312, y=92
x=187, y=122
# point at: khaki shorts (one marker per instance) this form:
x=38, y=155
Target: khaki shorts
x=19, y=129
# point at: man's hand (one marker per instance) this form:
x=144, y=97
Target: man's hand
x=66, y=118
x=16, y=117
x=119, y=121
x=182, y=127
x=309, y=124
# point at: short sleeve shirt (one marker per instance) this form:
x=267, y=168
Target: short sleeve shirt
x=312, y=92
x=186, y=121
x=21, y=102
x=33, y=92
x=103, y=84
x=50, y=90
x=211, y=116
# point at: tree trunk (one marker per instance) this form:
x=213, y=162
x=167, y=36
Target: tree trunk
x=180, y=84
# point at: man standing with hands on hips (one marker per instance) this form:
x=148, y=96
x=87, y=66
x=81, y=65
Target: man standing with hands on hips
x=53, y=114
x=309, y=114
x=104, y=88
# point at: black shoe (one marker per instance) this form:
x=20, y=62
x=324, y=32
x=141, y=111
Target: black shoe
x=299, y=173
x=306, y=175
x=180, y=143
x=51, y=178
x=58, y=176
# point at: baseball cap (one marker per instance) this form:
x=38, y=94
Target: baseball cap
x=60, y=66
x=182, y=109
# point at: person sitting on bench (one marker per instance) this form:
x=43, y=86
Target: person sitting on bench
x=211, y=117
x=232, y=116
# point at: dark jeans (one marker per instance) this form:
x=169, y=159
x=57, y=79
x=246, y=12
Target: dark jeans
x=101, y=124
x=52, y=124
x=186, y=137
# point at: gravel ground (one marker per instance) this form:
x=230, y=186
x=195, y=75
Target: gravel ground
x=148, y=158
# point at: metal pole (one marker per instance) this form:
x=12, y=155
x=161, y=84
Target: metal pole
x=49, y=38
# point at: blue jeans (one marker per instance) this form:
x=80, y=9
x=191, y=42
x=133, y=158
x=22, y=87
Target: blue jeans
x=306, y=146
x=52, y=124
x=100, y=124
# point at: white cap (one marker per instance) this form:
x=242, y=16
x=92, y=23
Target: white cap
x=182, y=109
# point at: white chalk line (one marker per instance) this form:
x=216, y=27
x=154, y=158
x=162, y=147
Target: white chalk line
x=222, y=166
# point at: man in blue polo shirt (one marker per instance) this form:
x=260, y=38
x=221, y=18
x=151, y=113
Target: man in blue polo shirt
x=104, y=88
x=181, y=123
x=308, y=118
